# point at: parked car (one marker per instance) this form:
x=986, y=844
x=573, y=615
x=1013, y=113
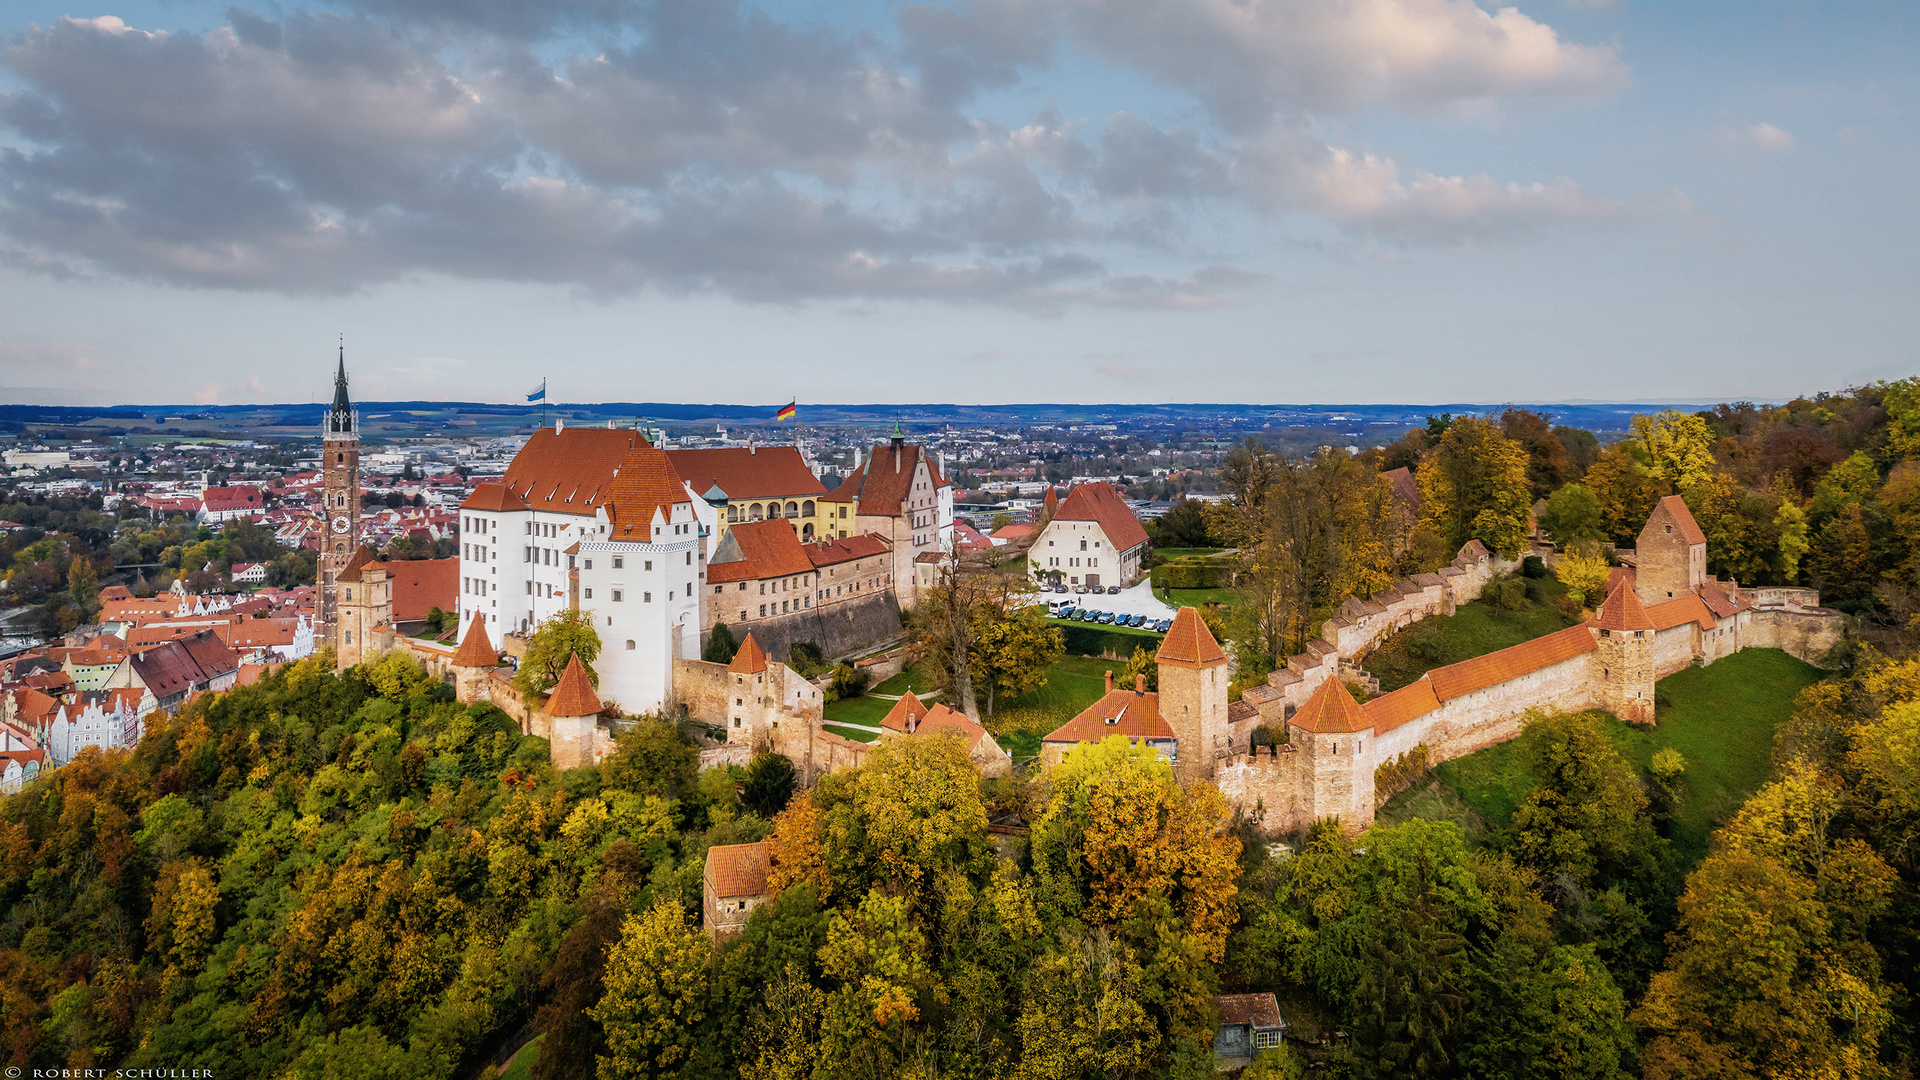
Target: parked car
x=1137, y=620
x=1113, y=590
x=1165, y=625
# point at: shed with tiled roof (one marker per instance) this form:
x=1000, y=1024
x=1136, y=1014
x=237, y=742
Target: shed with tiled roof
x=733, y=883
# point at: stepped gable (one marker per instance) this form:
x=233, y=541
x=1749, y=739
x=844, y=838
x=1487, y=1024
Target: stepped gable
x=493, y=495
x=1623, y=611
x=646, y=484
x=573, y=695
x=572, y=470
x=1681, y=610
x=1331, y=711
x=1683, y=523
x=477, y=649
x=758, y=549
x=1189, y=643
x=882, y=482
x=1458, y=680
x=1132, y=713
x=361, y=558
x=750, y=659
x=1402, y=706
x=740, y=869
x=747, y=472
x=1099, y=503
x=905, y=714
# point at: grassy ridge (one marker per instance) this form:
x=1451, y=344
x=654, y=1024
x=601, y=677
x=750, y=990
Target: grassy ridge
x=1721, y=718
x=1474, y=629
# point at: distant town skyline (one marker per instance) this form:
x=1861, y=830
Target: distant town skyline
x=977, y=202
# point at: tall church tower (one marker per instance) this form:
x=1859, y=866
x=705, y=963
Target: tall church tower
x=340, y=501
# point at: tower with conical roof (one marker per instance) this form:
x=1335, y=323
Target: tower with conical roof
x=1624, y=656
x=573, y=710
x=1193, y=694
x=340, y=492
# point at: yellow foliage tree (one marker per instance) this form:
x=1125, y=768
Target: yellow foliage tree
x=1679, y=447
x=795, y=846
x=656, y=981
x=1473, y=486
x=1584, y=571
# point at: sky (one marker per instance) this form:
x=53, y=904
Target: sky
x=976, y=201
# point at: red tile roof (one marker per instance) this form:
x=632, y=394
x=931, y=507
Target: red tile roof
x=1622, y=611
x=1683, y=522
x=476, y=650
x=1410, y=702
x=763, y=472
x=1457, y=680
x=1099, y=503
x=885, y=480
x=1189, y=643
x=493, y=495
x=646, y=485
x=941, y=720
x=1121, y=712
x=1259, y=1010
x=571, y=471
x=1406, y=490
x=1012, y=532
x=750, y=659
x=362, y=556
x=420, y=585
x=739, y=869
x=1720, y=601
x=573, y=695
x=833, y=552
x=758, y=549
x=1679, y=611
x=1331, y=710
x=231, y=498
x=905, y=713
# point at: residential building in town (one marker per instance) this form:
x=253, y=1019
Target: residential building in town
x=220, y=504
x=899, y=493
x=1092, y=539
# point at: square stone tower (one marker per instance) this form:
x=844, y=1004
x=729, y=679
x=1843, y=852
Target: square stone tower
x=1623, y=683
x=1193, y=695
x=1671, y=553
x=1334, y=775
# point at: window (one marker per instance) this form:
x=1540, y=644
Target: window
x=629, y=644
x=689, y=558
x=646, y=598
x=587, y=593
x=619, y=562
x=649, y=565
x=616, y=599
x=763, y=611
x=717, y=588
x=589, y=564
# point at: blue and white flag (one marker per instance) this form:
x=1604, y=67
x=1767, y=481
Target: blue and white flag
x=540, y=394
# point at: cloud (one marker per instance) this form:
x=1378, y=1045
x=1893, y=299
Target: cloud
x=708, y=147
x=1762, y=137
x=1123, y=372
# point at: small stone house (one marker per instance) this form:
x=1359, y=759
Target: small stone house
x=1249, y=1023
x=732, y=885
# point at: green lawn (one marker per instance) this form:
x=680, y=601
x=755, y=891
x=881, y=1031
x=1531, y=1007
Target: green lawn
x=1181, y=553
x=521, y=1066
x=1180, y=598
x=1072, y=684
x=1721, y=718
x=850, y=733
x=1472, y=630
x=861, y=710
x=913, y=678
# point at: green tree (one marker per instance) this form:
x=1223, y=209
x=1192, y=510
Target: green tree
x=769, y=784
x=1141, y=663
x=84, y=585
x=1474, y=485
x=1626, y=490
x=1573, y=515
x=1853, y=481
x=568, y=633
x=1586, y=818
x=656, y=983
x=720, y=645
x=1548, y=467
x=1842, y=560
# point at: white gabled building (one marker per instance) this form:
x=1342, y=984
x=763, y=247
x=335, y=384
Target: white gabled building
x=593, y=518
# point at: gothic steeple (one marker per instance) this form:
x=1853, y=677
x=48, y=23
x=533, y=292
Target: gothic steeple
x=341, y=419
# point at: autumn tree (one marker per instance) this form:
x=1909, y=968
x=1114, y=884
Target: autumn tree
x=912, y=813
x=1548, y=467
x=568, y=633
x=656, y=982
x=1014, y=646
x=1573, y=515
x=945, y=624
x=794, y=848
x=1473, y=485
x=1586, y=818
x=1626, y=490
x=1584, y=571
x=1770, y=972
x=1678, y=447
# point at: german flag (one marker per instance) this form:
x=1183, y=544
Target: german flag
x=786, y=411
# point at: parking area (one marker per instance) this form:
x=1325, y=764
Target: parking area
x=1138, y=600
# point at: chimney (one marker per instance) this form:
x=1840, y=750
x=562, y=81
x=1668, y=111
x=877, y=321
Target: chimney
x=1109, y=682
x=1140, y=683
x=558, y=424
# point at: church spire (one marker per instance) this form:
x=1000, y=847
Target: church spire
x=340, y=418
